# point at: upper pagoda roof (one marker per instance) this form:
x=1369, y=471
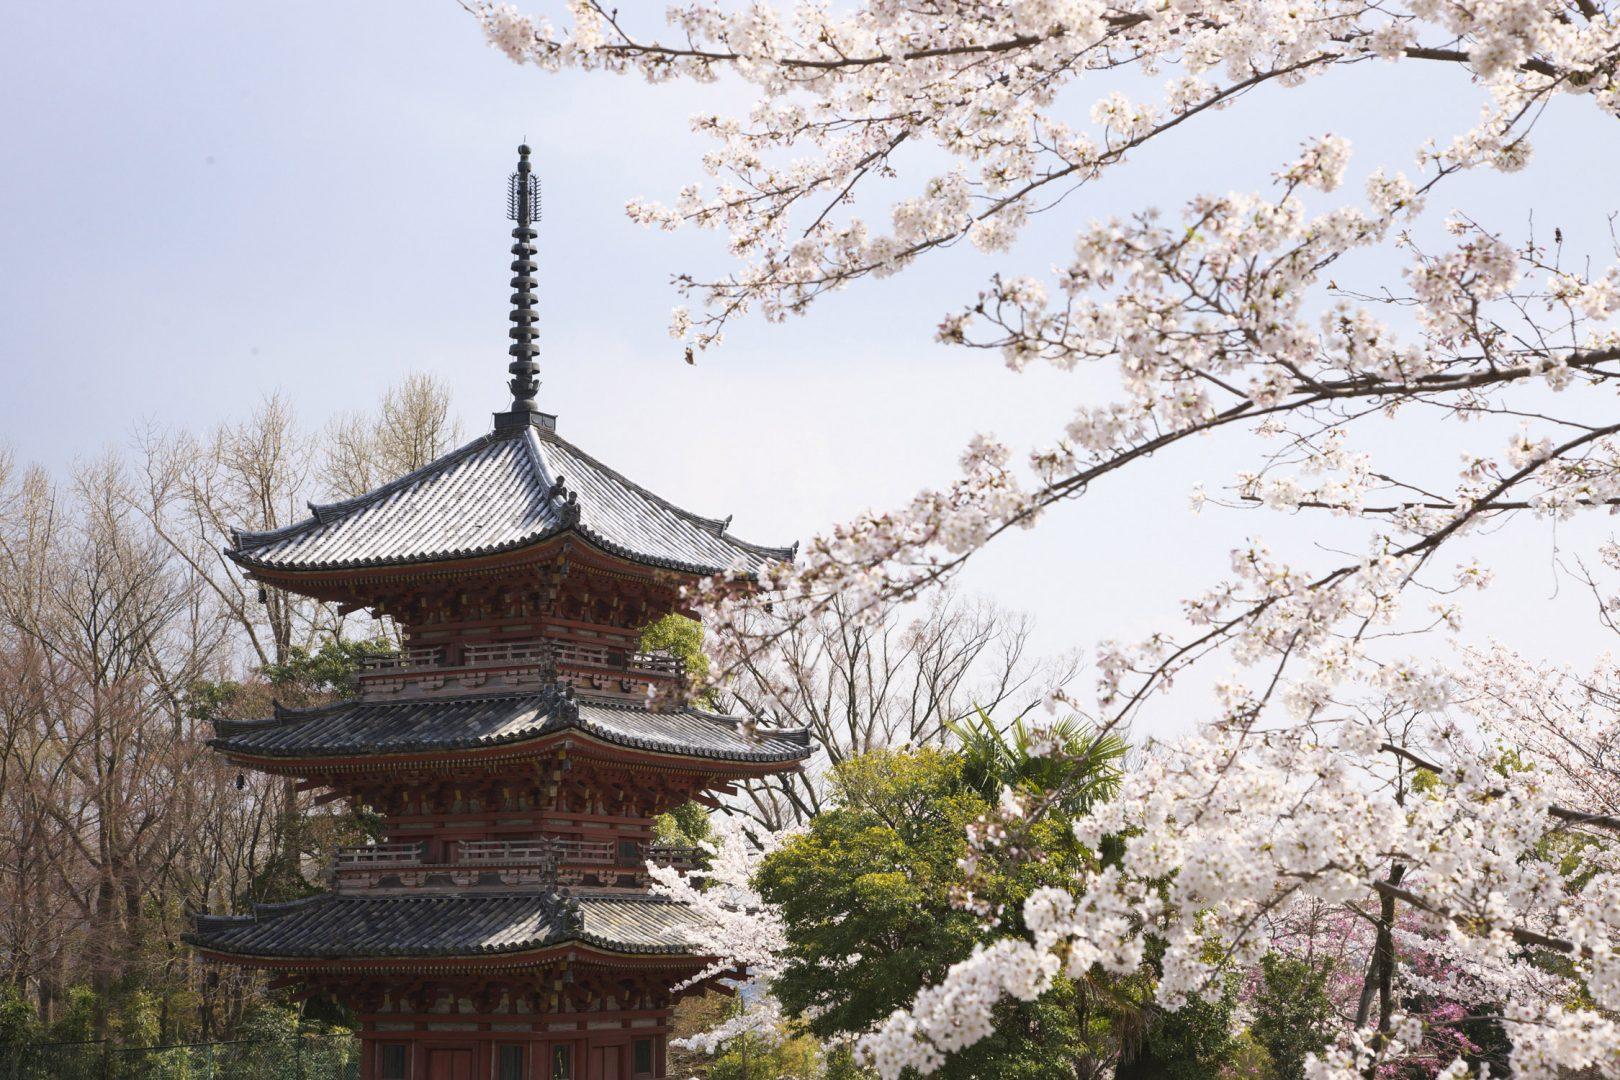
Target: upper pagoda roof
x=333, y=926
x=370, y=728
x=520, y=485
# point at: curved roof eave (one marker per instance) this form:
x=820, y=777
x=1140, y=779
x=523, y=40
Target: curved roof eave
x=606, y=547
x=539, y=472
x=552, y=726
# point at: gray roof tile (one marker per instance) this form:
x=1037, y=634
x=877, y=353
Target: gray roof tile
x=377, y=727
x=498, y=493
x=335, y=926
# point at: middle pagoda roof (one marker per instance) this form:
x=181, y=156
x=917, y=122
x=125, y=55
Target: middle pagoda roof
x=329, y=926
x=519, y=486
x=373, y=728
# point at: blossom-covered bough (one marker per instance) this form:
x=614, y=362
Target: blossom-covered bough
x=1474, y=803
x=735, y=926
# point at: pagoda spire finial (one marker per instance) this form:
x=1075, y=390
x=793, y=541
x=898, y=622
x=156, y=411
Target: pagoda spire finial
x=523, y=207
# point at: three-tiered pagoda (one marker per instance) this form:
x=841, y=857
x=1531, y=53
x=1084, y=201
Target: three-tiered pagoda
x=517, y=750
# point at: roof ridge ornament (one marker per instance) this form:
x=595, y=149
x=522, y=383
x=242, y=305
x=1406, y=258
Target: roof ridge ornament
x=523, y=208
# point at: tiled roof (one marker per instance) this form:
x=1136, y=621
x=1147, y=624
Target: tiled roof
x=377, y=727
x=505, y=490
x=336, y=926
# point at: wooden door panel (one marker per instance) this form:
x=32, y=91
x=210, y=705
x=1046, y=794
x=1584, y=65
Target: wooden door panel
x=605, y=1063
x=450, y=1064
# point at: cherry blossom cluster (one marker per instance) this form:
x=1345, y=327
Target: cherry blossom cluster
x=841, y=91
x=1210, y=325
x=734, y=926
x=1502, y=864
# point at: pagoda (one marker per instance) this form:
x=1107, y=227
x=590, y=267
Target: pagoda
x=516, y=750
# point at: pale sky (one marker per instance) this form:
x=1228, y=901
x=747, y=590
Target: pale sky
x=202, y=204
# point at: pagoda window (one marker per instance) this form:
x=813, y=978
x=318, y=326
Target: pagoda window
x=562, y=1062
x=510, y=1065
x=641, y=1055
x=629, y=852
x=392, y=1061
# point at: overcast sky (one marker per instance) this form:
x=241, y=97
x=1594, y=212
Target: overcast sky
x=202, y=204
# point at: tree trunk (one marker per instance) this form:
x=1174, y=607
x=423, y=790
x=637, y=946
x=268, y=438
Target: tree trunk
x=1381, y=965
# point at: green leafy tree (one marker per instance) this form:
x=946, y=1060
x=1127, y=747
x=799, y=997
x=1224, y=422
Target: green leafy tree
x=19, y=1020
x=1293, y=1014
x=1083, y=770
x=682, y=638
x=1193, y=1043
x=867, y=895
x=687, y=824
x=332, y=671
x=77, y=1020
x=869, y=891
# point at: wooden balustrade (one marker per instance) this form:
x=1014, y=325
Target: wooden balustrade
x=379, y=855
x=557, y=851
x=656, y=665
x=507, y=652
x=571, y=652
x=587, y=852
x=562, y=851
x=679, y=856
x=426, y=656
x=506, y=851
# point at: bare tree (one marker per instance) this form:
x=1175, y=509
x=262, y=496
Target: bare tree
x=102, y=635
x=254, y=475
x=899, y=681
x=411, y=427
x=124, y=631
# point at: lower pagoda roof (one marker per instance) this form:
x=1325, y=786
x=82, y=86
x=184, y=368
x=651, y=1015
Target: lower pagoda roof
x=337, y=927
x=362, y=728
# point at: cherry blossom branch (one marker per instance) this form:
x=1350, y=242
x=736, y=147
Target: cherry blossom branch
x=1573, y=817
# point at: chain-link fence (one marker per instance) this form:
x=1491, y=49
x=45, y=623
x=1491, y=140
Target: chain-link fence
x=306, y=1057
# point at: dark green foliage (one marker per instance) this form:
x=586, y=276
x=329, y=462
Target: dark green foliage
x=1192, y=1043
x=1293, y=1015
x=1488, y=1041
x=330, y=671
x=303, y=678
x=873, y=878
x=76, y=1018
x=19, y=1022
